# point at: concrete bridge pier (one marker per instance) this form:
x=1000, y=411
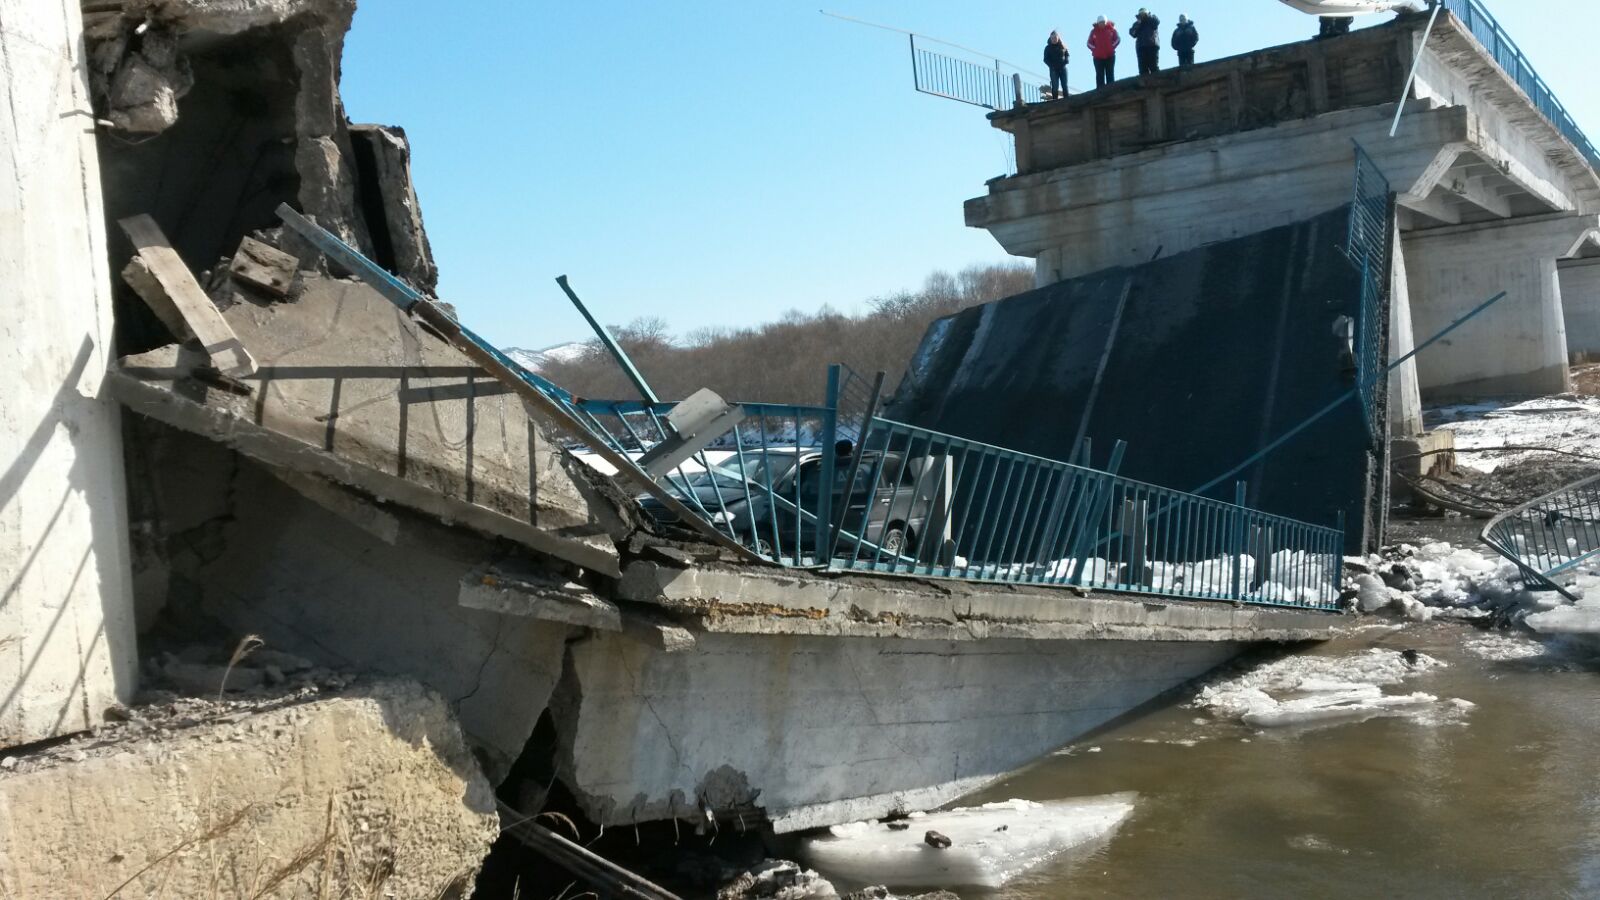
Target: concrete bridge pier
x=1522, y=348
x=1580, y=299
x=1405, y=391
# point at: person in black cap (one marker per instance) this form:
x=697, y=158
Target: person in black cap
x=1055, y=59
x=1184, y=39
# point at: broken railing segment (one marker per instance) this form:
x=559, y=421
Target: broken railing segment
x=948, y=507
x=555, y=405
x=1550, y=536
x=1368, y=246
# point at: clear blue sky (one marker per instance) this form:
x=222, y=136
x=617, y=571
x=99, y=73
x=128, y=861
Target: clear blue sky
x=718, y=162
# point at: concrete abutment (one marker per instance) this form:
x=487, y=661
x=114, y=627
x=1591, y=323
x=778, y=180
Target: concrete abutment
x=66, y=610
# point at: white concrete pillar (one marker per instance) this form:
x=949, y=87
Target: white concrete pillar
x=1580, y=299
x=1517, y=347
x=1405, y=393
x=66, y=610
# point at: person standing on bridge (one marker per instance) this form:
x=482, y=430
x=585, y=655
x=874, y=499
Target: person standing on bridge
x=1184, y=39
x=1055, y=59
x=1103, y=44
x=1146, y=32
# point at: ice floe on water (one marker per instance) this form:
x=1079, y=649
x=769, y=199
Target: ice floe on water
x=988, y=845
x=1504, y=648
x=1319, y=690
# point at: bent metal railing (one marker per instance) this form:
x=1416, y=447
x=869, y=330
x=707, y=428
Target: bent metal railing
x=1551, y=536
x=910, y=501
x=1514, y=63
x=1368, y=246
x=804, y=486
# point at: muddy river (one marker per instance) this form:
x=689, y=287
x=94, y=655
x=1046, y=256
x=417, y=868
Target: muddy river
x=1495, y=796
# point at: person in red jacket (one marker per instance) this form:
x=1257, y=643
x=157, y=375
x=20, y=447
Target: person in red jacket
x=1103, y=44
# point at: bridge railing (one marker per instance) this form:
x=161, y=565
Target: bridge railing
x=989, y=83
x=1368, y=246
x=949, y=507
x=1514, y=62
x=1550, y=536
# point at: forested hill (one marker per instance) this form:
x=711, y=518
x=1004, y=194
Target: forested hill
x=785, y=361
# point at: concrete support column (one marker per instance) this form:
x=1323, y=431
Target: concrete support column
x=66, y=618
x=1580, y=298
x=1405, y=393
x=1518, y=347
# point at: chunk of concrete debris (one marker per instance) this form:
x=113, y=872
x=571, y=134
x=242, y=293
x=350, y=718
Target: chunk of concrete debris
x=777, y=879
x=175, y=296
x=936, y=840
x=264, y=267
x=369, y=794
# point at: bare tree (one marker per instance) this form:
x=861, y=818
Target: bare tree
x=785, y=361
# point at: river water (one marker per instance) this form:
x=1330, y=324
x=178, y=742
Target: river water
x=1499, y=800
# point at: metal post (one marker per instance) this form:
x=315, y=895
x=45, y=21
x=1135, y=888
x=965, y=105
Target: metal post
x=1016, y=86
x=1416, y=63
x=1239, y=492
x=617, y=353
x=823, y=527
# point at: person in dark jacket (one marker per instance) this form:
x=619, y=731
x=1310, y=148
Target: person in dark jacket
x=1184, y=39
x=1103, y=44
x=1055, y=59
x=1147, y=41
x=1333, y=26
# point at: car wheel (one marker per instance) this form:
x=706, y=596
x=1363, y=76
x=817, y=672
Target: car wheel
x=894, y=540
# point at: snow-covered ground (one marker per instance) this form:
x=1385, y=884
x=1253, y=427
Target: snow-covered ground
x=1570, y=423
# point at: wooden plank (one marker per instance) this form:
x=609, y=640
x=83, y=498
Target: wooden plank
x=186, y=298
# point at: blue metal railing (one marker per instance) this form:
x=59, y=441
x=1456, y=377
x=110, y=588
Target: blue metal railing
x=948, y=507
x=910, y=501
x=1511, y=59
x=991, y=84
x=1368, y=246
x=803, y=486
x=1550, y=536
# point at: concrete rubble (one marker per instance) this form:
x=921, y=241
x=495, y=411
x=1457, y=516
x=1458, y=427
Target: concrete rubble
x=302, y=793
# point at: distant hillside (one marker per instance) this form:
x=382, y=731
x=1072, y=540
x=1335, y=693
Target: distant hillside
x=536, y=360
x=784, y=361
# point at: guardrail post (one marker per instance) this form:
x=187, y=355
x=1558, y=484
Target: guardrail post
x=1094, y=509
x=1238, y=539
x=1134, y=527
x=823, y=529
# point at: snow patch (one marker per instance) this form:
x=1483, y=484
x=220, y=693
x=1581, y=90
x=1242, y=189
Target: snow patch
x=1308, y=690
x=990, y=845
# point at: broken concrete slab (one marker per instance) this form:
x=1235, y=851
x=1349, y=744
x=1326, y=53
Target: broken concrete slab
x=724, y=599
x=521, y=590
x=321, y=797
x=352, y=390
x=245, y=99
x=389, y=197
x=816, y=731
x=267, y=560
